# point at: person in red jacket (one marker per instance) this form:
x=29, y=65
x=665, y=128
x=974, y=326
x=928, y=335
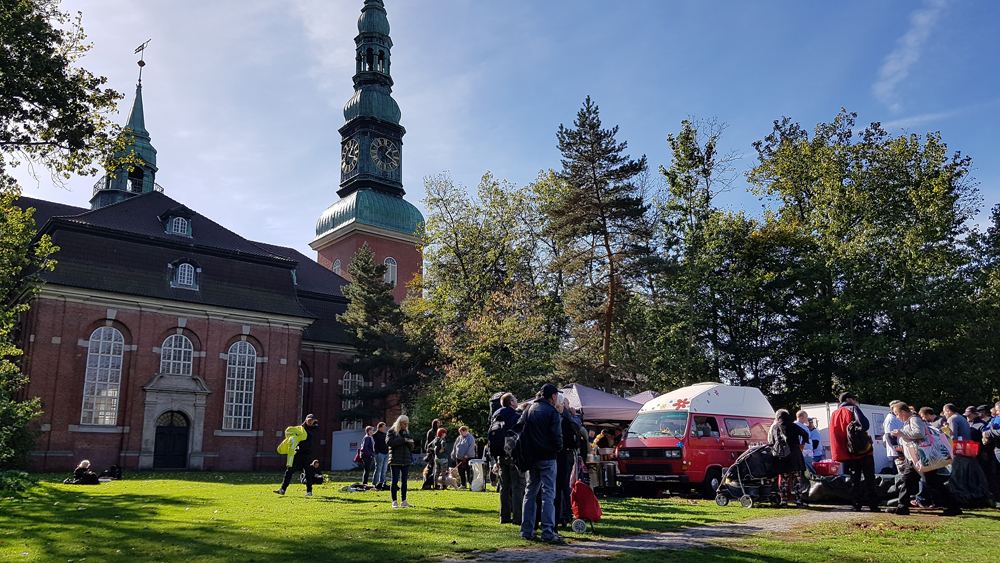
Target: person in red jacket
x=861, y=468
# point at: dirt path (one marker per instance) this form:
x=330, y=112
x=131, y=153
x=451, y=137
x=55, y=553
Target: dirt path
x=689, y=538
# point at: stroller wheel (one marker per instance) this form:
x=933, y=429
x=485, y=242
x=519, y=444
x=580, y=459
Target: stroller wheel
x=579, y=526
x=746, y=501
x=721, y=499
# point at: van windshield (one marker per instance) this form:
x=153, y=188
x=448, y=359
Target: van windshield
x=661, y=424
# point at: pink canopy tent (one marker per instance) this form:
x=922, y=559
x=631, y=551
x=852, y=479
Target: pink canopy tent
x=598, y=406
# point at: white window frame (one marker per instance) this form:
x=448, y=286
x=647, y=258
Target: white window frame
x=241, y=375
x=352, y=383
x=179, y=226
x=390, y=270
x=102, y=382
x=352, y=425
x=176, y=355
x=336, y=266
x=185, y=275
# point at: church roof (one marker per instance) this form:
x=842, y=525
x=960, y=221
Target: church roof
x=373, y=18
x=124, y=248
x=369, y=207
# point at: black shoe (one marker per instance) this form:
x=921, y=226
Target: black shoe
x=952, y=512
x=875, y=508
x=856, y=508
x=556, y=538
x=898, y=510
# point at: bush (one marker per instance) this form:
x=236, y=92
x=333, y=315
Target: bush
x=13, y=481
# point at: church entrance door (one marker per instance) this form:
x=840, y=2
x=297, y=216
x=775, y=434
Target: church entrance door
x=171, y=448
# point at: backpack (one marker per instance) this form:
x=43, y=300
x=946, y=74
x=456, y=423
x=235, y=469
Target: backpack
x=516, y=446
x=780, y=447
x=496, y=435
x=858, y=440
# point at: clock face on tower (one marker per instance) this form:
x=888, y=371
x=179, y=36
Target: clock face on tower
x=349, y=156
x=385, y=154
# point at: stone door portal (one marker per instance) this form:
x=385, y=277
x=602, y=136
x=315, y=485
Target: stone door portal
x=171, y=447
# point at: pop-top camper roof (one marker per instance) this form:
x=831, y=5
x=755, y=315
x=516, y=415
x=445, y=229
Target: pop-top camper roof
x=713, y=398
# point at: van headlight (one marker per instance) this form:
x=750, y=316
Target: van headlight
x=623, y=454
x=674, y=454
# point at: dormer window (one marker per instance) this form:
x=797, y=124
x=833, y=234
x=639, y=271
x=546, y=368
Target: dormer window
x=185, y=275
x=179, y=226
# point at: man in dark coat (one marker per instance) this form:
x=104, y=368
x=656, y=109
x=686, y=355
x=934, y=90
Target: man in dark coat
x=543, y=437
x=510, y=477
x=303, y=456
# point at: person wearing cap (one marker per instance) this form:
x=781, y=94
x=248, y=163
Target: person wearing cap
x=303, y=456
x=915, y=430
x=861, y=467
x=543, y=440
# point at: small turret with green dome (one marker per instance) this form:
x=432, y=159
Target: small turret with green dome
x=371, y=160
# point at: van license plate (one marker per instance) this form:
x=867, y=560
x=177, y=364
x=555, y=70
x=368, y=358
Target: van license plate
x=645, y=478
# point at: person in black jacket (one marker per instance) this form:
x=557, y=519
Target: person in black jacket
x=303, y=456
x=510, y=477
x=381, y=457
x=786, y=439
x=543, y=440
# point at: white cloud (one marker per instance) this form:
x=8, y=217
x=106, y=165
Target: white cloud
x=897, y=65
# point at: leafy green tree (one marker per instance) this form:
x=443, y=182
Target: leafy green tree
x=886, y=270
x=53, y=113
x=494, y=325
x=374, y=323
x=601, y=217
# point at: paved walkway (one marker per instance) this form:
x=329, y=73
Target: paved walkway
x=688, y=538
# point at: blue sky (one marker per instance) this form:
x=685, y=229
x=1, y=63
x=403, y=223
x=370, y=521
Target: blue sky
x=243, y=98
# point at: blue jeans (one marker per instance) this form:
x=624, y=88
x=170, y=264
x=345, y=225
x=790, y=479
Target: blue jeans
x=381, y=463
x=541, y=476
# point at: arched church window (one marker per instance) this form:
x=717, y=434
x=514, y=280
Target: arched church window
x=390, y=270
x=241, y=373
x=336, y=266
x=185, y=275
x=381, y=61
x=369, y=60
x=179, y=226
x=175, y=355
x=352, y=383
x=104, y=376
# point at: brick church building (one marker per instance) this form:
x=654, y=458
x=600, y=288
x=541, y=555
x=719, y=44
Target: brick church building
x=163, y=340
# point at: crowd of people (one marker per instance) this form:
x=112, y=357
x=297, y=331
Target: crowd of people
x=924, y=489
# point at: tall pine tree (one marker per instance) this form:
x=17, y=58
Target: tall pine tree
x=374, y=323
x=601, y=217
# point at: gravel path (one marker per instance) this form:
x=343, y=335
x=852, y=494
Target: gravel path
x=701, y=536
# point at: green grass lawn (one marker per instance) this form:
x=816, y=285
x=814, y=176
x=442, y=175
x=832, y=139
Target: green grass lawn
x=879, y=539
x=236, y=517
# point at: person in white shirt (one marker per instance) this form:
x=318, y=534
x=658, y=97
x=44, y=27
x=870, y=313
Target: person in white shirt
x=802, y=419
x=892, y=447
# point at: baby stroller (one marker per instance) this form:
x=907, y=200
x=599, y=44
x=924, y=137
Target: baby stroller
x=751, y=478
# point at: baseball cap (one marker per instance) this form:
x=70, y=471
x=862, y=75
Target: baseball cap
x=548, y=390
x=971, y=411
x=847, y=395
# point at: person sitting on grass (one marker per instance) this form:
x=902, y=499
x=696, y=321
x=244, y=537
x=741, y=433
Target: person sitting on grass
x=82, y=475
x=317, y=473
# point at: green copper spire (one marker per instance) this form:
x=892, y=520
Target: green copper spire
x=136, y=128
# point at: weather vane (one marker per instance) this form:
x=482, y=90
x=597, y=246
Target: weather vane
x=141, y=51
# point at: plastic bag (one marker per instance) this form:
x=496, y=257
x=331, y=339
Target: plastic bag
x=478, y=475
x=931, y=453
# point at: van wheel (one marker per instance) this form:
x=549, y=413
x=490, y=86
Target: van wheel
x=710, y=486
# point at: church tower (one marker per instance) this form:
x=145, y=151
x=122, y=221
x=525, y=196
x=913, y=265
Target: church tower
x=371, y=207
x=141, y=179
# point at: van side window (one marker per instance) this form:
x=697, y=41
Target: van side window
x=705, y=427
x=737, y=428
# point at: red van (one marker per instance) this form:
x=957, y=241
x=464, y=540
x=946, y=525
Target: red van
x=684, y=439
